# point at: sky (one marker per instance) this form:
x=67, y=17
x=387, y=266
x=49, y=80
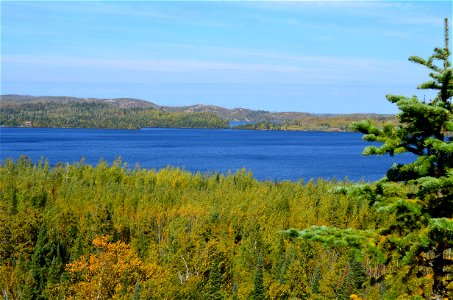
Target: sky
x=317, y=57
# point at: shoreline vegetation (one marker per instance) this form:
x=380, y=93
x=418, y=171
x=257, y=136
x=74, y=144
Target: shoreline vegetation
x=127, y=113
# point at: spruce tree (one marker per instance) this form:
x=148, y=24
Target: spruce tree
x=259, y=292
x=47, y=261
x=214, y=286
x=415, y=198
x=137, y=290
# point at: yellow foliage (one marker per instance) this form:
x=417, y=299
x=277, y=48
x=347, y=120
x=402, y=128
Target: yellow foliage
x=179, y=224
x=279, y=291
x=111, y=273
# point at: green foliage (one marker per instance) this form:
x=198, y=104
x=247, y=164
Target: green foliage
x=47, y=261
x=415, y=243
x=136, y=295
x=188, y=235
x=259, y=292
x=99, y=114
x=214, y=291
x=82, y=231
x=318, y=122
x=335, y=237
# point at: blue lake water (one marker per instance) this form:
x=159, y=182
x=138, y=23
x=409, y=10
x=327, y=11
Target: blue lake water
x=270, y=155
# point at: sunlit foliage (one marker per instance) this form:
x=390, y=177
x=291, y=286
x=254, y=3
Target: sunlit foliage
x=334, y=122
x=415, y=248
x=99, y=114
x=82, y=231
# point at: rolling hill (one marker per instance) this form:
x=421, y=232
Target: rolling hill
x=63, y=111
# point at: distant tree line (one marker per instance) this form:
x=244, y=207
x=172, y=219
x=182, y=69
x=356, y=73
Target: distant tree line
x=97, y=114
x=311, y=122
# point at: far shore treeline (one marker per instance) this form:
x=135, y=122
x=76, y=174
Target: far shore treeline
x=127, y=113
x=66, y=112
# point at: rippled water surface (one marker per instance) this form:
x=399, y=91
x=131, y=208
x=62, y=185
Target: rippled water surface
x=270, y=155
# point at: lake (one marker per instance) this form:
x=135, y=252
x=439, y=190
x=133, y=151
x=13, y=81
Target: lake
x=270, y=155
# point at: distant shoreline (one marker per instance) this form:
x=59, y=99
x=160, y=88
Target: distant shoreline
x=129, y=113
x=194, y=128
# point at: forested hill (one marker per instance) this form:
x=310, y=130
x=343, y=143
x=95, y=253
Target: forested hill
x=116, y=102
x=118, y=113
x=47, y=111
x=262, y=119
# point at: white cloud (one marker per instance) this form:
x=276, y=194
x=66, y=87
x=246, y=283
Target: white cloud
x=282, y=71
x=148, y=65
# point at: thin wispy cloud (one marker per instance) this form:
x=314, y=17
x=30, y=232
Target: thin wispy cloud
x=149, y=65
x=345, y=5
x=160, y=11
x=298, y=70
x=421, y=20
x=265, y=55
x=289, y=58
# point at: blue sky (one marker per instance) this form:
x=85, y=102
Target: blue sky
x=318, y=57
